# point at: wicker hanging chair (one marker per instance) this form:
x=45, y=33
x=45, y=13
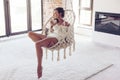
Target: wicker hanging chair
x=66, y=42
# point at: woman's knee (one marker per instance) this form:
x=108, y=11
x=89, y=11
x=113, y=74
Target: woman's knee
x=30, y=33
x=38, y=44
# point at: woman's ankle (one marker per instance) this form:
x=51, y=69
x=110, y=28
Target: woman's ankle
x=39, y=71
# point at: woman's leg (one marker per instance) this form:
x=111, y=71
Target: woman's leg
x=47, y=42
x=35, y=36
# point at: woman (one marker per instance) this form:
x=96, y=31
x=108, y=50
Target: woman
x=52, y=38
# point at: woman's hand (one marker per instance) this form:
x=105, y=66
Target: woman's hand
x=53, y=22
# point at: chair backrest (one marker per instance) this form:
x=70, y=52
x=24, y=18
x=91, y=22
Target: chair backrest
x=69, y=16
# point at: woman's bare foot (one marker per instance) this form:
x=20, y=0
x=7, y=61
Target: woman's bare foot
x=39, y=72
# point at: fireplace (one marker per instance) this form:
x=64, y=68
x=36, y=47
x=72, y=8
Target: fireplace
x=107, y=22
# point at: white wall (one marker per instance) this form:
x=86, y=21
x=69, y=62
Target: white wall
x=106, y=6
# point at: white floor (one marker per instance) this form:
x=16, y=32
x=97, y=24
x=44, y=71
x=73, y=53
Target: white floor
x=106, y=53
x=110, y=54
x=85, y=46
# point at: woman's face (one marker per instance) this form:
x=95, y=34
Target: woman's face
x=56, y=14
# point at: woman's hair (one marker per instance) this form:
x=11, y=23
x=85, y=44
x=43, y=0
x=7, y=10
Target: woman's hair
x=60, y=10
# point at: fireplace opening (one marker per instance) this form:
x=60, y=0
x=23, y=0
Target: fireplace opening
x=107, y=22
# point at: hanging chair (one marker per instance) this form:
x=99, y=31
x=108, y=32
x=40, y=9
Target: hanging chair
x=66, y=42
